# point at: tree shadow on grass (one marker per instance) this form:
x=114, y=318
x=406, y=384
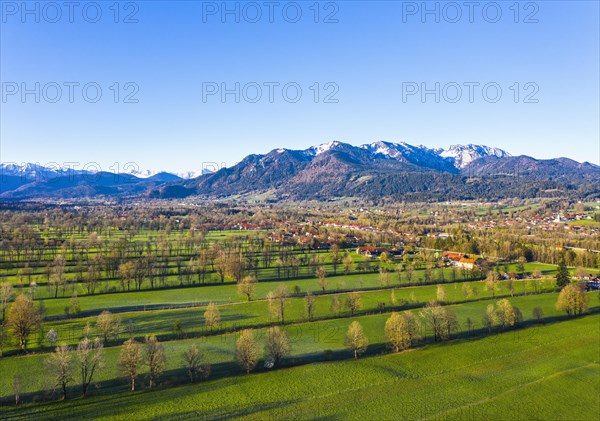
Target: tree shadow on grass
x=113, y=396
x=107, y=396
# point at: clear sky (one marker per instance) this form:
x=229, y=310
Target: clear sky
x=367, y=59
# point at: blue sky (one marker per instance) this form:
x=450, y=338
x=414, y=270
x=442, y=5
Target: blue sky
x=364, y=62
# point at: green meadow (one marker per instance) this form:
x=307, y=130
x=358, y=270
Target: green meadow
x=507, y=376
x=480, y=372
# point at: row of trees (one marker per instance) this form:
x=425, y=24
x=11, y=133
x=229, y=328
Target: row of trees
x=83, y=362
x=87, y=359
x=231, y=260
x=34, y=234
x=221, y=260
x=402, y=331
x=24, y=318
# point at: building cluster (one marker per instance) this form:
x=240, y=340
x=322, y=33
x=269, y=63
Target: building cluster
x=589, y=280
x=439, y=235
x=360, y=227
x=371, y=251
x=567, y=222
x=460, y=260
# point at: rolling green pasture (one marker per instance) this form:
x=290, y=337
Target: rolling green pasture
x=227, y=293
x=256, y=312
x=478, y=374
x=548, y=372
x=220, y=293
x=39, y=277
x=309, y=342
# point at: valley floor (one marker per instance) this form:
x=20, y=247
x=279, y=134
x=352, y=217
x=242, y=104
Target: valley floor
x=542, y=372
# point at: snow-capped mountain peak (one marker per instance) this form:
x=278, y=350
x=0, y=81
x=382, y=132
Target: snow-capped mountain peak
x=463, y=155
x=417, y=155
x=391, y=150
x=188, y=175
x=456, y=157
x=31, y=171
x=141, y=173
x=319, y=149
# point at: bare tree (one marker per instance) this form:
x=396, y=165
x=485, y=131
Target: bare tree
x=6, y=294
x=335, y=305
x=234, y=268
x=247, y=286
x=247, y=351
x=93, y=274
x=510, y=285
x=490, y=318
x=75, y=307
x=127, y=273
x=106, y=325
x=441, y=294
x=212, y=316
x=335, y=257
x=428, y=272
x=353, y=302
x=60, y=368
x=321, y=274
x=199, y=265
x=356, y=340
x=195, y=363
x=277, y=301
x=442, y=320
x=87, y=330
x=277, y=344
x=130, y=359
x=384, y=277
x=52, y=337
x=399, y=270
x=57, y=274
x=221, y=263
x=348, y=263
x=492, y=282
x=155, y=358
x=410, y=271
x=309, y=303
x=90, y=360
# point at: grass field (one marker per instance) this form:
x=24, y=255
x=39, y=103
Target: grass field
x=236, y=315
x=506, y=376
x=480, y=373
x=310, y=341
x=224, y=293
x=146, y=300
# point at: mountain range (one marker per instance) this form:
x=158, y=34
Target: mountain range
x=328, y=171
x=31, y=171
